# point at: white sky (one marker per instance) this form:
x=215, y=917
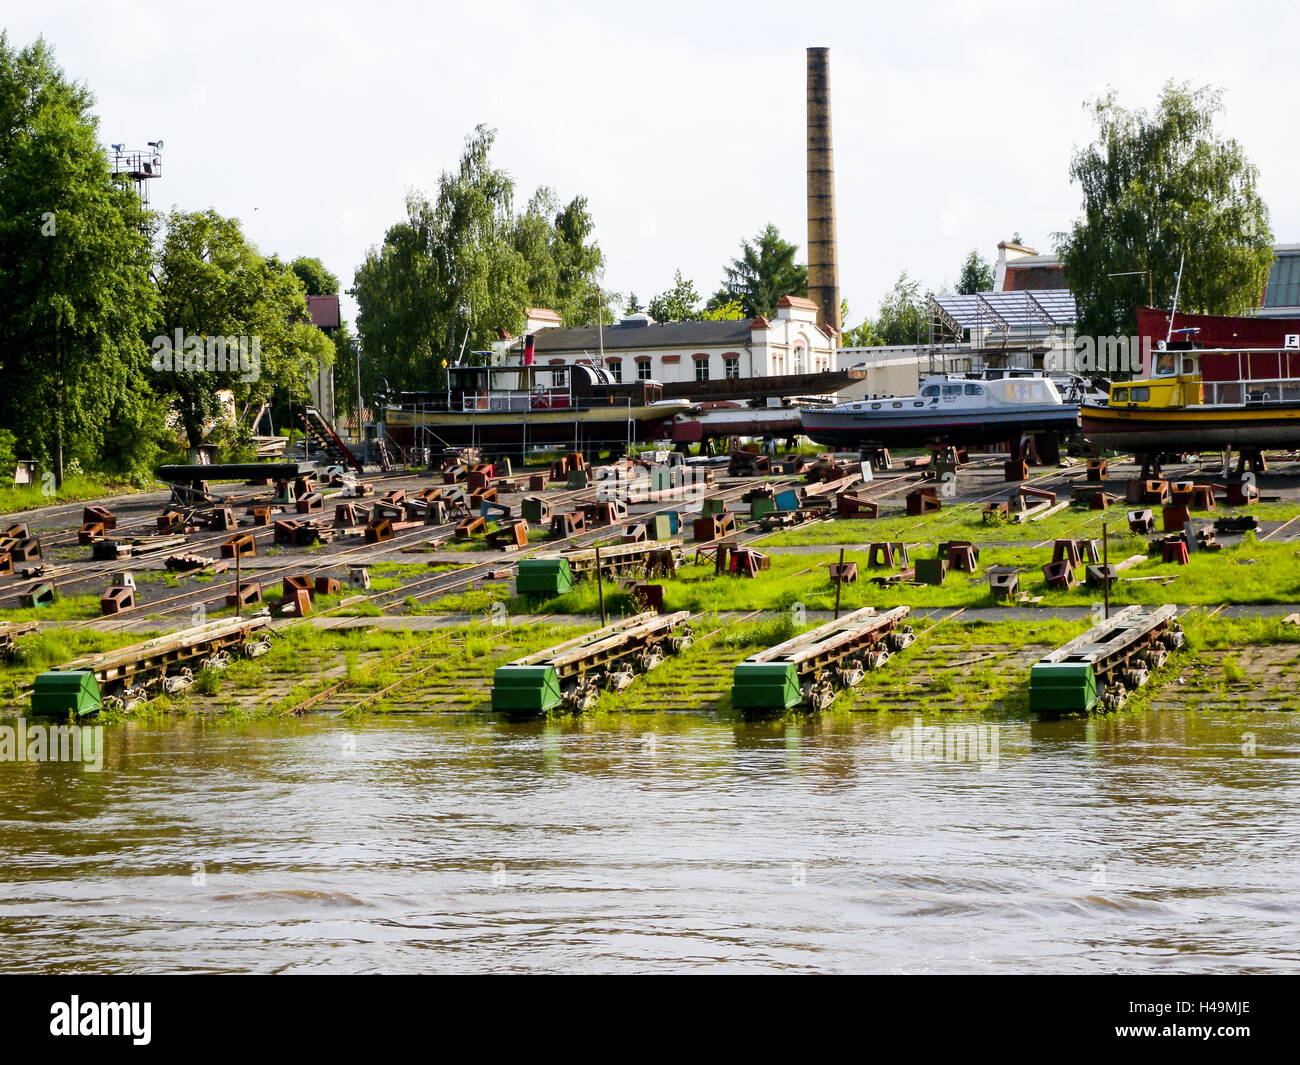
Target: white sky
x=683, y=123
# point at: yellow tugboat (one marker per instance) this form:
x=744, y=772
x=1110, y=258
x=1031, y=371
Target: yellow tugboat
x=1202, y=400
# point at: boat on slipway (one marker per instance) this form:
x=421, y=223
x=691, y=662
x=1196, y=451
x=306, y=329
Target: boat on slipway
x=988, y=407
x=1198, y=399
x=514, y=407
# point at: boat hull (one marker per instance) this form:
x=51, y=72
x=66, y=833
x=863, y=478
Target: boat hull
x=582, y=426
x=737, y=421
x=1192, y=428
x=884, y=429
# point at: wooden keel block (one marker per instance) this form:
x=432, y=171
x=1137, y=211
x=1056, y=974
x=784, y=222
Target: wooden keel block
x=1141, y=521
x=37, y=595
x=379, y=530
x=296, y=582
x=931, y=570
x=1004, y=584
x=248, y=593
x=844, y=573
x=239, y=545
x=1060, y=574
x=101, y=515
x=117, y=599
x=923, y=501
x=89, y=532
x=1173, y=518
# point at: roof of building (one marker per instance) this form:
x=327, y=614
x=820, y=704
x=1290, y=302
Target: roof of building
x=324, y=311
x=542, y=314
x=642, y=337
x=1041, y=309
x=797, y=301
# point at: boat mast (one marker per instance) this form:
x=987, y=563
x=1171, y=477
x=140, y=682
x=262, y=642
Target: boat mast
x=1174, y=309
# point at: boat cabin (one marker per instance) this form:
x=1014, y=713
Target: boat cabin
x=1184, y=376
x=522, y=389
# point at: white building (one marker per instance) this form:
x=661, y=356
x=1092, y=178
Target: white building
x=679, y=352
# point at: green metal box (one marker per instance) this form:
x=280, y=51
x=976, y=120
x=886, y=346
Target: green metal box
x=525, y=688
x=1062, y=687
x=65, y=691
x=660, y=526
x=760, y=507
x=765, y=686
x=543, y=576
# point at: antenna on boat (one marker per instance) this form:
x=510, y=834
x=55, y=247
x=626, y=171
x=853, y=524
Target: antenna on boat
x=1178, y=281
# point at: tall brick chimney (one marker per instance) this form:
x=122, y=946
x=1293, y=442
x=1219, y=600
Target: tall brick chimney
x=823, y=256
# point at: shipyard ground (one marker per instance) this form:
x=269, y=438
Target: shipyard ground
x=441, y=614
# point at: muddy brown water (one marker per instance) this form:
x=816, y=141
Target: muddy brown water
x=1165, y=841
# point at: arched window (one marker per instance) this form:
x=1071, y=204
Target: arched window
x=800, y=357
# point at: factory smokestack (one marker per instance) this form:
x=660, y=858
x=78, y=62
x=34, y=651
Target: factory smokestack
x=823, y=257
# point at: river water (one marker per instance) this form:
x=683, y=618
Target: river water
x=1156, y=842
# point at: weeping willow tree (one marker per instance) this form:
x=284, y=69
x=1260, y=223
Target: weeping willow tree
x=1159, y=185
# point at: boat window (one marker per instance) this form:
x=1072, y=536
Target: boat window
x=952, y=390
x=930, y=390
x=1189, y=364
x=917, y=403
x=974, y=390
x=1120, y=395
x=876, y=406
x=897, y=404
x=1141, y=395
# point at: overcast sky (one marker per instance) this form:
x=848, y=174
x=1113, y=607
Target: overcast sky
x=683, y=123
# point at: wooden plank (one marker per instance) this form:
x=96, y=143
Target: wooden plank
x=649, y=622
x=1121, y=630
x=832, y=635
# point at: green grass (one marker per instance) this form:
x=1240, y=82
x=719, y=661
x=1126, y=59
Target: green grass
x=964, y=521
x=1248, y=573
x=64, y=608
x=76, y=488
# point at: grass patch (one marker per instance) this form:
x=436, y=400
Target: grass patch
x=76, y=488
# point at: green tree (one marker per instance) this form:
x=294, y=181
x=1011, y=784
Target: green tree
x=902, y=318
x=316, y=280
x=722, y=312
x=346, y=349
x=563, y=264
x=225, y=302
x=75, y=297
x=1158, y=186
x=679, y=304
x=764, y=271
x=633, y=305
x=861, y=336
x=463, y=266
x=977, y=275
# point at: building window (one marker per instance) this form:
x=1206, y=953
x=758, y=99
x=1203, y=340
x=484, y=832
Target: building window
x=616, y=371
x=643, y=370
x=701, y=369
x=731, y=366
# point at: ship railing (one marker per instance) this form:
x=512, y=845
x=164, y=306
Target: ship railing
x=1252, y=392
x=515, y=402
